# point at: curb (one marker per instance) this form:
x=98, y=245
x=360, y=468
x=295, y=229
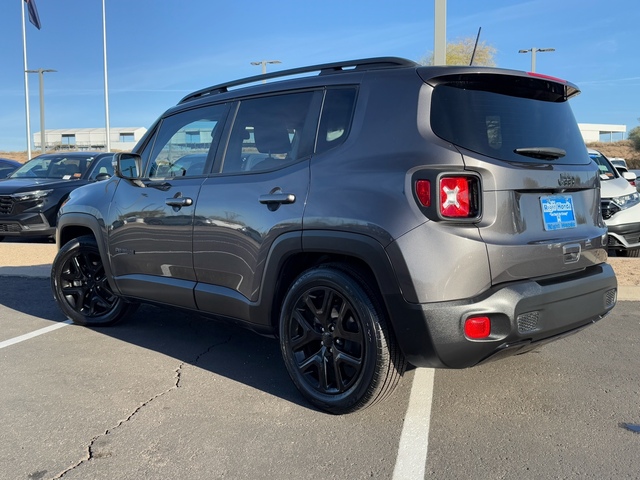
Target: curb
x=628, y=293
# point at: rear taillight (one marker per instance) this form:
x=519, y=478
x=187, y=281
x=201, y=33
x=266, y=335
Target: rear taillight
x=449, y=196
x=454, y=197
x=423, y=192
x=458, y=196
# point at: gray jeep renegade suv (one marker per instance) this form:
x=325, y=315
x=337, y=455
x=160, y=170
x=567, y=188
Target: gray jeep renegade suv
x=375, y=214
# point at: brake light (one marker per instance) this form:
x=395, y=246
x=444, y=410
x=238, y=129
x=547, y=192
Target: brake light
x=546, y=77
x=458, y=197
x=477, y=328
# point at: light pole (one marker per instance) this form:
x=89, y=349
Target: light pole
x=40, y=73
x=533, y=55
x=264, y=65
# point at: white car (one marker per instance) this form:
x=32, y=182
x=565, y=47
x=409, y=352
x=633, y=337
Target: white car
x=620, y=203
x=618, y=162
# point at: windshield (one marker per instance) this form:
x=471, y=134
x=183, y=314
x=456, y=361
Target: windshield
x=53, y=166
x=607, y=172
x=518, y=126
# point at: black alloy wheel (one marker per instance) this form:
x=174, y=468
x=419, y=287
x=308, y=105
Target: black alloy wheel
x=335, y=342
x=81, y=288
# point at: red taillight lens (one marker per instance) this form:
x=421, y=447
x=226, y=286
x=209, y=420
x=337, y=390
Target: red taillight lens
x=455, y=197
x=477, y=328
x=423, y=192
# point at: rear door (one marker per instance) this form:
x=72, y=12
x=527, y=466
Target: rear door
x=257, y=198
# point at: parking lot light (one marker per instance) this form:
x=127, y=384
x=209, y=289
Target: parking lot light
x=533, y=54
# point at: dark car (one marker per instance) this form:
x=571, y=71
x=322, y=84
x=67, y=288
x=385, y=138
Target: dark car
x=369, y=214
x=7, y=167
x=32, y=195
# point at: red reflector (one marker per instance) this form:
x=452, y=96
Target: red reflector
x=423, y=191
x=477, y=327
x=454, y=197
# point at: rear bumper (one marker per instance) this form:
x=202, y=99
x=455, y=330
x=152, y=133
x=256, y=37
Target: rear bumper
x=523, y=315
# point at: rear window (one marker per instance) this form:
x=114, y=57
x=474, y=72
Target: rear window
x=496, y=118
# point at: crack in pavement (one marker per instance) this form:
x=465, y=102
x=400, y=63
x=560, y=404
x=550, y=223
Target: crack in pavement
x=178, y=378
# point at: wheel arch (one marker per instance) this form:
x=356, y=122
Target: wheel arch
x=81, y=224
x=355, y=251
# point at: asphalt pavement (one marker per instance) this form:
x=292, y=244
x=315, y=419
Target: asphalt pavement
x=168, y=395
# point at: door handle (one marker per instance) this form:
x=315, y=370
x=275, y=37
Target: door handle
x=179, y=202
x=281, y=198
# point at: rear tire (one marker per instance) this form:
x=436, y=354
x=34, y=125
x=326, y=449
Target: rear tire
x=81, y=288
x=335, y=341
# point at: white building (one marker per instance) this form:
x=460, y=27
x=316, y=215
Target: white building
x=591, y=132
x=122, y=138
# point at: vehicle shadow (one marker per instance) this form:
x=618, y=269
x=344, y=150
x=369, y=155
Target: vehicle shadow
x=219, y=347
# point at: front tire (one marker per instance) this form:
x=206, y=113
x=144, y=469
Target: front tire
x=335, y=341
x=80, y=286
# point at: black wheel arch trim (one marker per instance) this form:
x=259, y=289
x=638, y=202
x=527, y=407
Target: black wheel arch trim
x=389, y=268
x=68, y=221
x=364, y=248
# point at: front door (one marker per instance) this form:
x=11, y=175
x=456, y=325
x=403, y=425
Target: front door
x=151, y=221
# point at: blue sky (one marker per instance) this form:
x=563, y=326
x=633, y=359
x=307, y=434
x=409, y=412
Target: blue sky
x=160, y=50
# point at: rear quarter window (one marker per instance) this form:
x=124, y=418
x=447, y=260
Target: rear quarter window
x=337, y=114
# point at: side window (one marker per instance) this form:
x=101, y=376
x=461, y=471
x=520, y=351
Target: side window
x=268, y=132
x=335, y=122
x=102, y=167
x=184, y=140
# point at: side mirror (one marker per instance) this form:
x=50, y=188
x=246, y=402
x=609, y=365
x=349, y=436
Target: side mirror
x=630, y=176
x=103, y=176
x=127, y=165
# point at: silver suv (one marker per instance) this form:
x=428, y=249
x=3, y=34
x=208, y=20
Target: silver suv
x=375, y=214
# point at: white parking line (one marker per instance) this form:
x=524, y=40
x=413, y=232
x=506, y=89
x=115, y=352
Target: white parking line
x=414, y=441
x=35, y=333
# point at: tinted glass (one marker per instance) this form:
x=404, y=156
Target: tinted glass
x=267, y=133
x=337, y=112
x=183, y=142
x=496, y=123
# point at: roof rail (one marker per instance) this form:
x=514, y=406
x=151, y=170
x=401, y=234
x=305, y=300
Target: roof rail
x=325, y=68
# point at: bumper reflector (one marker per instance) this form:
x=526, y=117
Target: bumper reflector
x=477, y=328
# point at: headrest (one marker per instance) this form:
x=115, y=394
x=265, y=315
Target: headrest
x=272, y=138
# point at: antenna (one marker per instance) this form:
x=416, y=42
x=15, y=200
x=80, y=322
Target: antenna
x=474, y=47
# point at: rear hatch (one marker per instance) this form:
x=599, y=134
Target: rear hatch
x=539, y=198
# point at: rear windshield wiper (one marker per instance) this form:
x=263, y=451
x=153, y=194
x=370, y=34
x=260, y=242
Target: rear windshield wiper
x=543, y=153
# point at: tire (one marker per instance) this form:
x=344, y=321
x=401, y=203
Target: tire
x=81, y=288
x=335, y=341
